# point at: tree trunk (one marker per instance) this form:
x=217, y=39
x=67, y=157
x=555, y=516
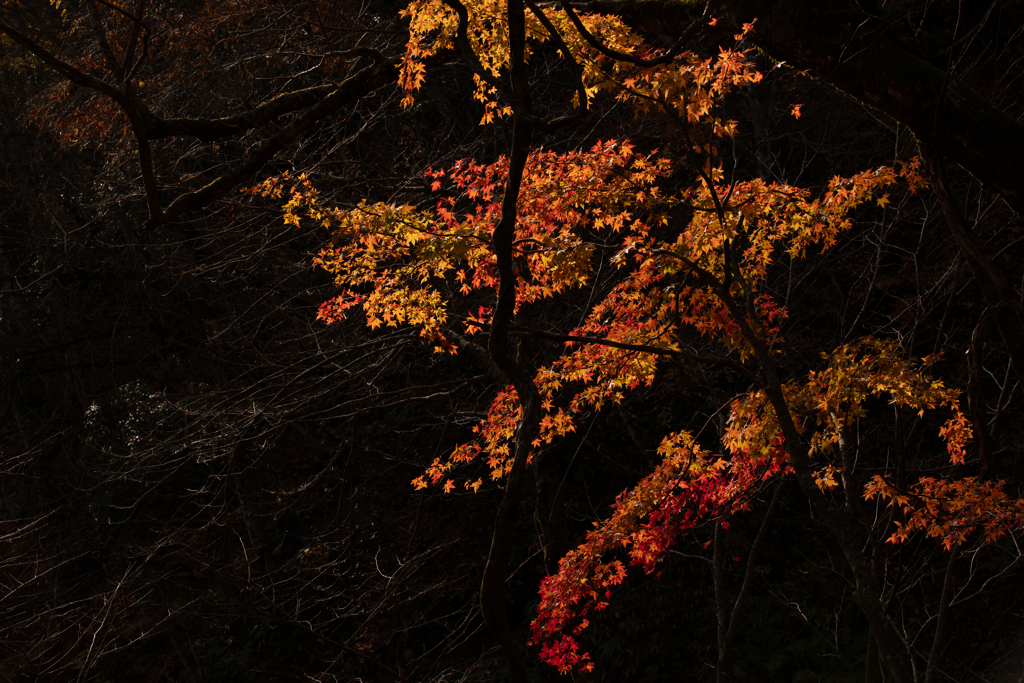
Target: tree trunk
x=492, y=586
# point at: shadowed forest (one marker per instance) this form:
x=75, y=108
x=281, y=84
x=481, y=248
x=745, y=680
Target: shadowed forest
x=507, y=340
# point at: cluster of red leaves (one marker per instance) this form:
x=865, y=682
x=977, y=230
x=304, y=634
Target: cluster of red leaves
x=689, y=488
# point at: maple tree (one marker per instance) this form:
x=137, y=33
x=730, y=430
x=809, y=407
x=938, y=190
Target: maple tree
x=556, y=217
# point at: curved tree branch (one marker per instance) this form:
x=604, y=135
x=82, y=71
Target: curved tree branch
x=632, y=59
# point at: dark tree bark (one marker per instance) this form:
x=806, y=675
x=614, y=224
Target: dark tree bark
x=492, y=586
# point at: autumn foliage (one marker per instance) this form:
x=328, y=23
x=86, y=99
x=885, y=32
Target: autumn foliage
x=689, y=261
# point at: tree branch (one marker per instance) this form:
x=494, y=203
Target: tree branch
x=358, y=85
x=631, y=59
x=208, y=130
x=519, y=331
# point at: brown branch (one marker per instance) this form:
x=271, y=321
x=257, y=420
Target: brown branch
x=481, y=355
x=129, y=65
x=931, y=673
x=520, y=100
x=145, y=163
x=132, y=108
x=577, y=70
x=320, y=102
x=125, y=67
x=974, y=397
x=735, y=617
x=462, y=35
